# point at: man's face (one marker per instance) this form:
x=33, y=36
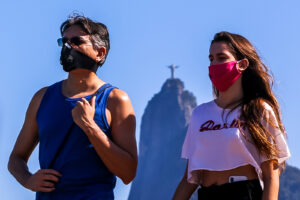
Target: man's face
x=80, y=41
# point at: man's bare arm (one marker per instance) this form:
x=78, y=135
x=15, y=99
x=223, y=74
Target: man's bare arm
x=24, y=146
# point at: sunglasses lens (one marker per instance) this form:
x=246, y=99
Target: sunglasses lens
x=60, y=42
x=76, y=41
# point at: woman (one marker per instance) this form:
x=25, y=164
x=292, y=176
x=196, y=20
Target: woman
x=236, y=144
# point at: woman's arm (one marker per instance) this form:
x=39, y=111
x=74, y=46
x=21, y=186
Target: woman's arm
x=184, y=189
x=270, y=173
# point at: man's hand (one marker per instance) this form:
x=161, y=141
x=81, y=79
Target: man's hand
x=83, y=113
x=43, y=180
x=119, y=154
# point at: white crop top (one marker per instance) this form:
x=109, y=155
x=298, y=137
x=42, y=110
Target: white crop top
x=214, y=142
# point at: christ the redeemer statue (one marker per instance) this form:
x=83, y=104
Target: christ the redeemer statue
x=172, y=67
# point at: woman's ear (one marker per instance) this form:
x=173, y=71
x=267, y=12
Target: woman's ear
x=101, y=54
x=243, y=64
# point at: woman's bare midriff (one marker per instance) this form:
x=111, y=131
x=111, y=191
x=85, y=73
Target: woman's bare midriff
x=209, y=178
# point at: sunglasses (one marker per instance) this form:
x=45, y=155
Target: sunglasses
x=74, y=40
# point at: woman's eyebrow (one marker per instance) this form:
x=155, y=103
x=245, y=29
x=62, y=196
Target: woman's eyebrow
x=222, y=54
x=218, y=54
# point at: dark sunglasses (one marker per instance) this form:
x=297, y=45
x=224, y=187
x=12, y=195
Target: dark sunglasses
x=74, y=40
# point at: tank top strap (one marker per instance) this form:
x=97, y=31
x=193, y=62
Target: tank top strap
x=103, y=104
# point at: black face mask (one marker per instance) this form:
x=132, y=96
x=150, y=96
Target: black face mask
x=72, y=59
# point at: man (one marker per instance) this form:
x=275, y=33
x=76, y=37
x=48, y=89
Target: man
x=85, y=127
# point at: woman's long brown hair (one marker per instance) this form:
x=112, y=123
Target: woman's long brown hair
x=256, y=85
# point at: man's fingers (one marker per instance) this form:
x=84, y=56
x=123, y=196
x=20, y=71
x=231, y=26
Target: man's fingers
x=92, y=101
x=51, y=171
x=80, y=103
x=50, y=177
x=47, y=184
x=84, y=101
x=46, y=189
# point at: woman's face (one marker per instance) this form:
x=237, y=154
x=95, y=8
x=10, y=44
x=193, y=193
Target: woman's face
x=219, y=52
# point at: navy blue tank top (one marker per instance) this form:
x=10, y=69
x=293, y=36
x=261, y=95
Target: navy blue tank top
x=65, y=148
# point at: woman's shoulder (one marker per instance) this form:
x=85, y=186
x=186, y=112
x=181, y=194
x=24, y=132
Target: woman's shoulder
x=268, y=109
x=204, y=107
x=271, y=118
x=266, y=105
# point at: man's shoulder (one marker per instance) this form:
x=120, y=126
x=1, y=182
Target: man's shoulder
x=118, y=101
x=36, y=101
x=54, y=87
x=118, y=96
x=39, y=94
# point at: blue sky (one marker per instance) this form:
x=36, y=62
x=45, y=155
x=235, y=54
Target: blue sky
x=146, y=36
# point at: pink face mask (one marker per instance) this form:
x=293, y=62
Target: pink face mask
x=223, y=75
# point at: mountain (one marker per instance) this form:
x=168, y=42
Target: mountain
x=163, y=130
x=290, y=184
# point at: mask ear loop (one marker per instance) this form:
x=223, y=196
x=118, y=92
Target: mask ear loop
x=237, y=62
